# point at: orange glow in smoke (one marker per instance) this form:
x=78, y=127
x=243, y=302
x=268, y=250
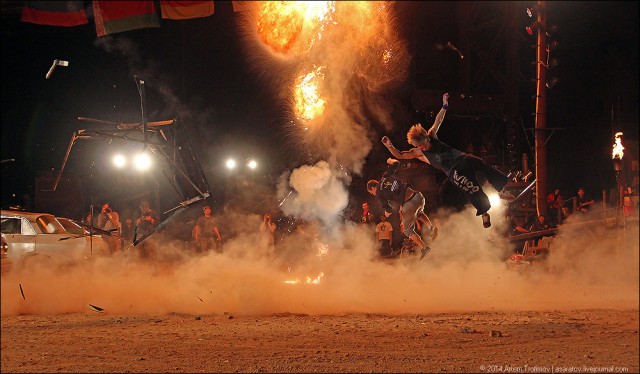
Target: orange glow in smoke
x=308, y=102
x=618, y=149
x=308, y=280
x=323, y=249
x=292, y=26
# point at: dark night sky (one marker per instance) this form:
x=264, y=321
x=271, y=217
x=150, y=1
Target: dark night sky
x=203, y=64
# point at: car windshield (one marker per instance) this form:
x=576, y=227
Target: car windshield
x=70, y=226
x=49, y=225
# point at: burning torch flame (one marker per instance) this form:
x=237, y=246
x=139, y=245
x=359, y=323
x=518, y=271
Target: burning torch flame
x=308, y=102
x=618, y=149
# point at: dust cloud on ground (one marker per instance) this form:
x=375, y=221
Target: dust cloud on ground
x=338, y=271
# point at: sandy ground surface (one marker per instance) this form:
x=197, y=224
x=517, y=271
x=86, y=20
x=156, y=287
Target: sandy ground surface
x=572, y=341
x=460, y=310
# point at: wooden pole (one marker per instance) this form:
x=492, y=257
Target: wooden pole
x=541, y=112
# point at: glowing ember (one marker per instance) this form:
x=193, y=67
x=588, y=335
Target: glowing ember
x=308, y=102
x=292, y=26
x=308, y=280
x=618, y=149
x=323, y=249
x=387, y=56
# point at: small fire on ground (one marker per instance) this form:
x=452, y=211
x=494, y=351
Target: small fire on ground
x=322, y=250
x=308, y=280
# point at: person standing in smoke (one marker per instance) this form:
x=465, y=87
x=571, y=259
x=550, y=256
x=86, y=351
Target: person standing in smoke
x=389, y=188
x=384, y=234
x=144, y=225
x=109, y=220
x=465, y=171
x=206, y=232
x=366, y=216
x=267, y=232
x=127, y=231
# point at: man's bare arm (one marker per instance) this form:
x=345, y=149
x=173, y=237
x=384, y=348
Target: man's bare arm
x=433, y=131
x=402, y=155
x=196, y=234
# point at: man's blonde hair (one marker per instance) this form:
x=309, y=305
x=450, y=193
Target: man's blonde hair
x=372, y=184
x=417, y=133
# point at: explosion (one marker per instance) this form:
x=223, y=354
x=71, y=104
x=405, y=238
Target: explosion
x=293, y=26
x=330, y=43
x=308, y=102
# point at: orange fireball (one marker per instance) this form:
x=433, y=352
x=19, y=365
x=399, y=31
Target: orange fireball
x=292, y=26
x=308, y=102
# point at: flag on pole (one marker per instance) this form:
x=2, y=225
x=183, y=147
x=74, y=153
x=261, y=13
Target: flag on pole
x=117, y=16
x=54, y=13
x=186, y=9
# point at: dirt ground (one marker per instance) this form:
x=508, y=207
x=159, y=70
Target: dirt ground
x=338, y=310
x=572, y=341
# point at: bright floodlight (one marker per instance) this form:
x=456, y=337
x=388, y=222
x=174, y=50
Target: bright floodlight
x=142, y=161
x=119, y=161
x=231, y=164
x=494, y=199
x=252, y=164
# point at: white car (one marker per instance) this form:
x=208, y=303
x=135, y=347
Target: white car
x=7, y=264
x=40, y=237
x=95, y=236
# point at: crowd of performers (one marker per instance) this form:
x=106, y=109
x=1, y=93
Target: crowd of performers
x=403, y=225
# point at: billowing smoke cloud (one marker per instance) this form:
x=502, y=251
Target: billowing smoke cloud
x=320, y=193
x=588, y=267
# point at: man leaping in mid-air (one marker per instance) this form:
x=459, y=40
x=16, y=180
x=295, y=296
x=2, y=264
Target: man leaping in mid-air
x=465, y=171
